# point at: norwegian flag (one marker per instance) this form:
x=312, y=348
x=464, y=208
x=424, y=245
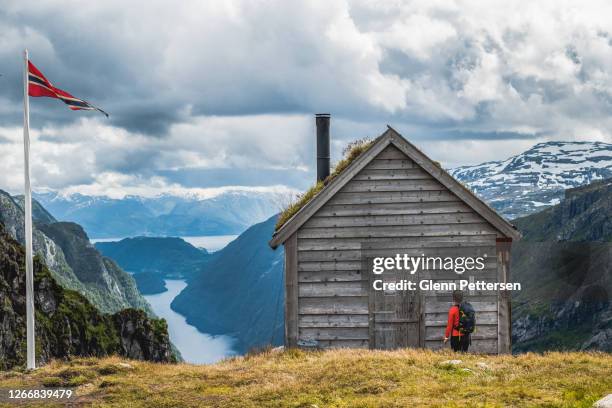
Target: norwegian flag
x=38, y=85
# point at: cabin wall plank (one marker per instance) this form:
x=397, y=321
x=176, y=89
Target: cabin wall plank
x=334, y=333
x=334, y=305
x=449, y=241
x=326, y=289
x=333, y=321
x=291, y=291
x=398, y=231
x=398, y=174
x=410, y=196
x=436, y=207
x=504, y=305
x=330, y=276
x=393, y=220
x=391, y=164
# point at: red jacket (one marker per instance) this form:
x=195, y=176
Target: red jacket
x=453, y=322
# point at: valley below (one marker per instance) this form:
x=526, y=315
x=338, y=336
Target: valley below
x=161, y=279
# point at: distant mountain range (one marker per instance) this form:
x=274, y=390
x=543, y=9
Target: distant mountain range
x=167, y=215
x=564, y=263
x=537, y=178
x=73, y=261
x=240, y=291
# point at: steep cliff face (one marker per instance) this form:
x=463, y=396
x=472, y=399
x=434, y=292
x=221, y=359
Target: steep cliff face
x=73, y=261
x=565, y=265
x=113, y=288
x=584, y=215
x=11, y=216
x=67, y=324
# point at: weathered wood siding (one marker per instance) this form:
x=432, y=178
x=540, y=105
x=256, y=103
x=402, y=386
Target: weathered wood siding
x=397, y=207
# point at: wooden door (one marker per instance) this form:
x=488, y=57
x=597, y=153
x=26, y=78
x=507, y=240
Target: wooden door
x=394, y=316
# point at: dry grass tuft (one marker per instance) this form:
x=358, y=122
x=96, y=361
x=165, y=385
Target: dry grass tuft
x=338, y=378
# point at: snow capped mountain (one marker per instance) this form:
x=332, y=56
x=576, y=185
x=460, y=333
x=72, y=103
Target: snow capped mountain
x=536, y=178
x=227, y=213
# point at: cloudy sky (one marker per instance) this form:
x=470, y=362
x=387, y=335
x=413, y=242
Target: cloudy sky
x=222, y=93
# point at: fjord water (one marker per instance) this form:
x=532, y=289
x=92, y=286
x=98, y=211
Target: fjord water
x=195, y=347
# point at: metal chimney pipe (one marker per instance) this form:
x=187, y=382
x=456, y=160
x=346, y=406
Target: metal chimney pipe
x=322, y=120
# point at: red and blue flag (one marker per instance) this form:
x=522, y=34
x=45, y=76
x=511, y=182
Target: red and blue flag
x=38, y=85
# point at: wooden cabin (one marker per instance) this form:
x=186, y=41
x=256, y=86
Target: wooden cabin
x=392, y=199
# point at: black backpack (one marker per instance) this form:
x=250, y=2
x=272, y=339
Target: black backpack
x=467, y=318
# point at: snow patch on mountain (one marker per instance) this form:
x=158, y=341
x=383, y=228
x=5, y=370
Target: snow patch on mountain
x=537, y=177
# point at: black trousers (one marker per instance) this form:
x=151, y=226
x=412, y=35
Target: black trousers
x=460, y=343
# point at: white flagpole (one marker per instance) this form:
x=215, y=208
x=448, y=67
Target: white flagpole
x=31, y=360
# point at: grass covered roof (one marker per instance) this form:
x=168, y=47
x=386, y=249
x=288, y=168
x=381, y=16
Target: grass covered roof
x=350, y=153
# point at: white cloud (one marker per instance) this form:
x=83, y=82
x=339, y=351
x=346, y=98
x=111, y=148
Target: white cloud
x=116, y=185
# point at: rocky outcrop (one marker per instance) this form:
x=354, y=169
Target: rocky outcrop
x=67, y=324
x=140, y=337
x=601, y=338
x=573, y=325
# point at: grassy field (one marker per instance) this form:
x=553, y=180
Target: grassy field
x=342, y=378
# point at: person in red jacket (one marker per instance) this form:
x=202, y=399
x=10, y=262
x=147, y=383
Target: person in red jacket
x=459, y=342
